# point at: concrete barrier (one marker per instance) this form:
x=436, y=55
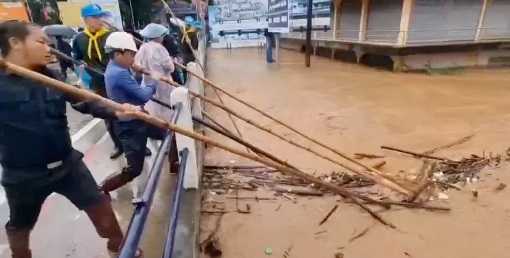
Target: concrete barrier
x=181, y=96
x=188, y=228
x=195, y=85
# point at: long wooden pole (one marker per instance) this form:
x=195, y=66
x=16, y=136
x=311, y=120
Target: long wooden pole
x=243, y=142
x=230, y=116
x=373, y=170
x=209, y=117
x=87, y=95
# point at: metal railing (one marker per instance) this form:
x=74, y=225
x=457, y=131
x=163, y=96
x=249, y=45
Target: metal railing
x=142, y=206
x=176, y=207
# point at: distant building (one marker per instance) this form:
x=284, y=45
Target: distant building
x=414, y=34
x=13, y=10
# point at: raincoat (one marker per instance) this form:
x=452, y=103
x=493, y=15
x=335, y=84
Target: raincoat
x=152, y=56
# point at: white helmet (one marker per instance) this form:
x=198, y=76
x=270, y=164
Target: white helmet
x=120, y=41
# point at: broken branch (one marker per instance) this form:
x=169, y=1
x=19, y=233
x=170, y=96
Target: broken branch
x=328, y=215
x=414, y=153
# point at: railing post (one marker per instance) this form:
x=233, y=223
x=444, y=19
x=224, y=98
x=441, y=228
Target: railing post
x=195, y=85
x=481, y=20
x=191, y=178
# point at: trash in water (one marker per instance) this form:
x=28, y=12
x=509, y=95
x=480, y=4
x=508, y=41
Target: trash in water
x=442, y=196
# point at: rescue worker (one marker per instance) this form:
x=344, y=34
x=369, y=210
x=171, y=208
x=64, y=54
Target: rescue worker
x=88, y=46
x=153, y=57
x=122, y=87
x=36, y=154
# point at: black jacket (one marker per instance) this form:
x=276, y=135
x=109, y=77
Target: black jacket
x=33, y=126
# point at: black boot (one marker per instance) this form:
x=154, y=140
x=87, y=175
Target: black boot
x=148, y=152
x=173, y=158
x=19, y=243
x=116, y=153
x=115, y=182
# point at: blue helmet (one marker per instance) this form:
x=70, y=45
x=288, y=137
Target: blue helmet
x=93, y=10
x=191, y=22
x=153, y=31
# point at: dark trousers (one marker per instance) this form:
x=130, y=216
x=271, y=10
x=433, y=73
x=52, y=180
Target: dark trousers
x=101, y=91
x=133, y=137
x=72, y=180
x=76, y=184
x=109, y=127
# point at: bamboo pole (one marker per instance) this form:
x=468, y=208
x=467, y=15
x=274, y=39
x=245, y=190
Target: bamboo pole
x=229, y=116
x=373, y=170
x=243, y=142
x=87, y=95
x=206, y=115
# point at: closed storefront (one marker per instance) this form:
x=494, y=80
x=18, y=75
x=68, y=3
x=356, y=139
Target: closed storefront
x=348, y=20
x=384, y=20
x=444, y=20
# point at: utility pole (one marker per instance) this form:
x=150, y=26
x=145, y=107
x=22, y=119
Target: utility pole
x=308, y=33
x=132, y=15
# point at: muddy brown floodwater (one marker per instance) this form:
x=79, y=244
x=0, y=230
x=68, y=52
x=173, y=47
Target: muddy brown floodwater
x=358, y=109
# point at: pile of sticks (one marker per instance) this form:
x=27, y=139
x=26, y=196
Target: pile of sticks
x=466, y=169
x=445, y=173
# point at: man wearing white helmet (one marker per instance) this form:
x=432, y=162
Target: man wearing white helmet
x=154, y=57
x=122, y=87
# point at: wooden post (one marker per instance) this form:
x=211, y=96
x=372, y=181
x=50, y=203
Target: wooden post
x=133, y=15
x=481, y=20
x=405, y=18
x=308, y=33
x=363, y=21
x=277, y=47
x=336, y=5
x=338, y=13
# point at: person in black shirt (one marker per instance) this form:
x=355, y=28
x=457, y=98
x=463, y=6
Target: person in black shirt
x=36, y=154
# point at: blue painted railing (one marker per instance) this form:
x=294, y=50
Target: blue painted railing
x=176, y=207
x=142, y=207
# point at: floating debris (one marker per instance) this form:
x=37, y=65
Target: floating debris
x=465, y=170
x=500, y=187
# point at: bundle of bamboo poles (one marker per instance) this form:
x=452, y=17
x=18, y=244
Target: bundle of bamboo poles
x=273, y=161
